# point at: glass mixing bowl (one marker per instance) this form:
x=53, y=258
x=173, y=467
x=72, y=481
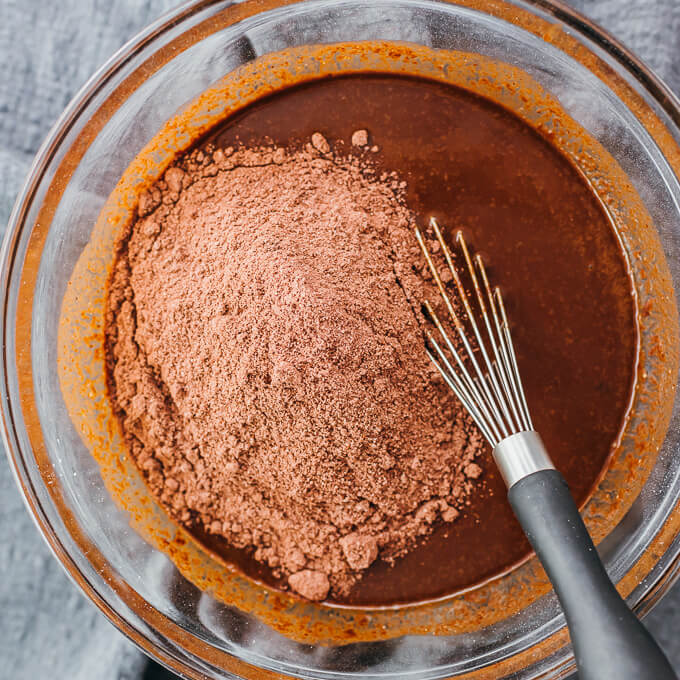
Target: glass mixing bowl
x=597, y=82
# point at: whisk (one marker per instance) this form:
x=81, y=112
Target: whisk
x=609, y=642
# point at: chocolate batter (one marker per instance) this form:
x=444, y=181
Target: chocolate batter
x=549, y=243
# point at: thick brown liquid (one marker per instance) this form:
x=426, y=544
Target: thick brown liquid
x=477, y=167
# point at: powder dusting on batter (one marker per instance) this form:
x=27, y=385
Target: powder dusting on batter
x=265, y=359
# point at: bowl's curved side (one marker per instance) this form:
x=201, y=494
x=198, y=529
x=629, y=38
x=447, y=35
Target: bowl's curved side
x=21, y=259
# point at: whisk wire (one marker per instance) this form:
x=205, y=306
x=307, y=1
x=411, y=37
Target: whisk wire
x=453, y=381
x=437, y=279
x=513, y=358
x=486, y=385
x=470, y=316
x=471, y=387
x=506, y=374
x=496, y=372
x=485, y=397
x=494, y=398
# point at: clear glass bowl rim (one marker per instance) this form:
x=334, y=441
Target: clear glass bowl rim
x=667, y=570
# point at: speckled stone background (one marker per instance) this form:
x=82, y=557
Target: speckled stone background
x=47, y=51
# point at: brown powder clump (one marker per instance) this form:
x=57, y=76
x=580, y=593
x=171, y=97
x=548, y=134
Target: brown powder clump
x=360, y=138
x=266, y=362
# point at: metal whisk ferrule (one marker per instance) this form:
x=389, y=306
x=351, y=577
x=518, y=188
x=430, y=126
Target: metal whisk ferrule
x=488, y=386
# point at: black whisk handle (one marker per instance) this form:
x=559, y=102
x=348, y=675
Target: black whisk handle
x=609, y=641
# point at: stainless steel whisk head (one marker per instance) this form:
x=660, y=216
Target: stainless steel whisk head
x=490, y=387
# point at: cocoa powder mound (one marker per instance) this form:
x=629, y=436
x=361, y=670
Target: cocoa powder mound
x=266, y=361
